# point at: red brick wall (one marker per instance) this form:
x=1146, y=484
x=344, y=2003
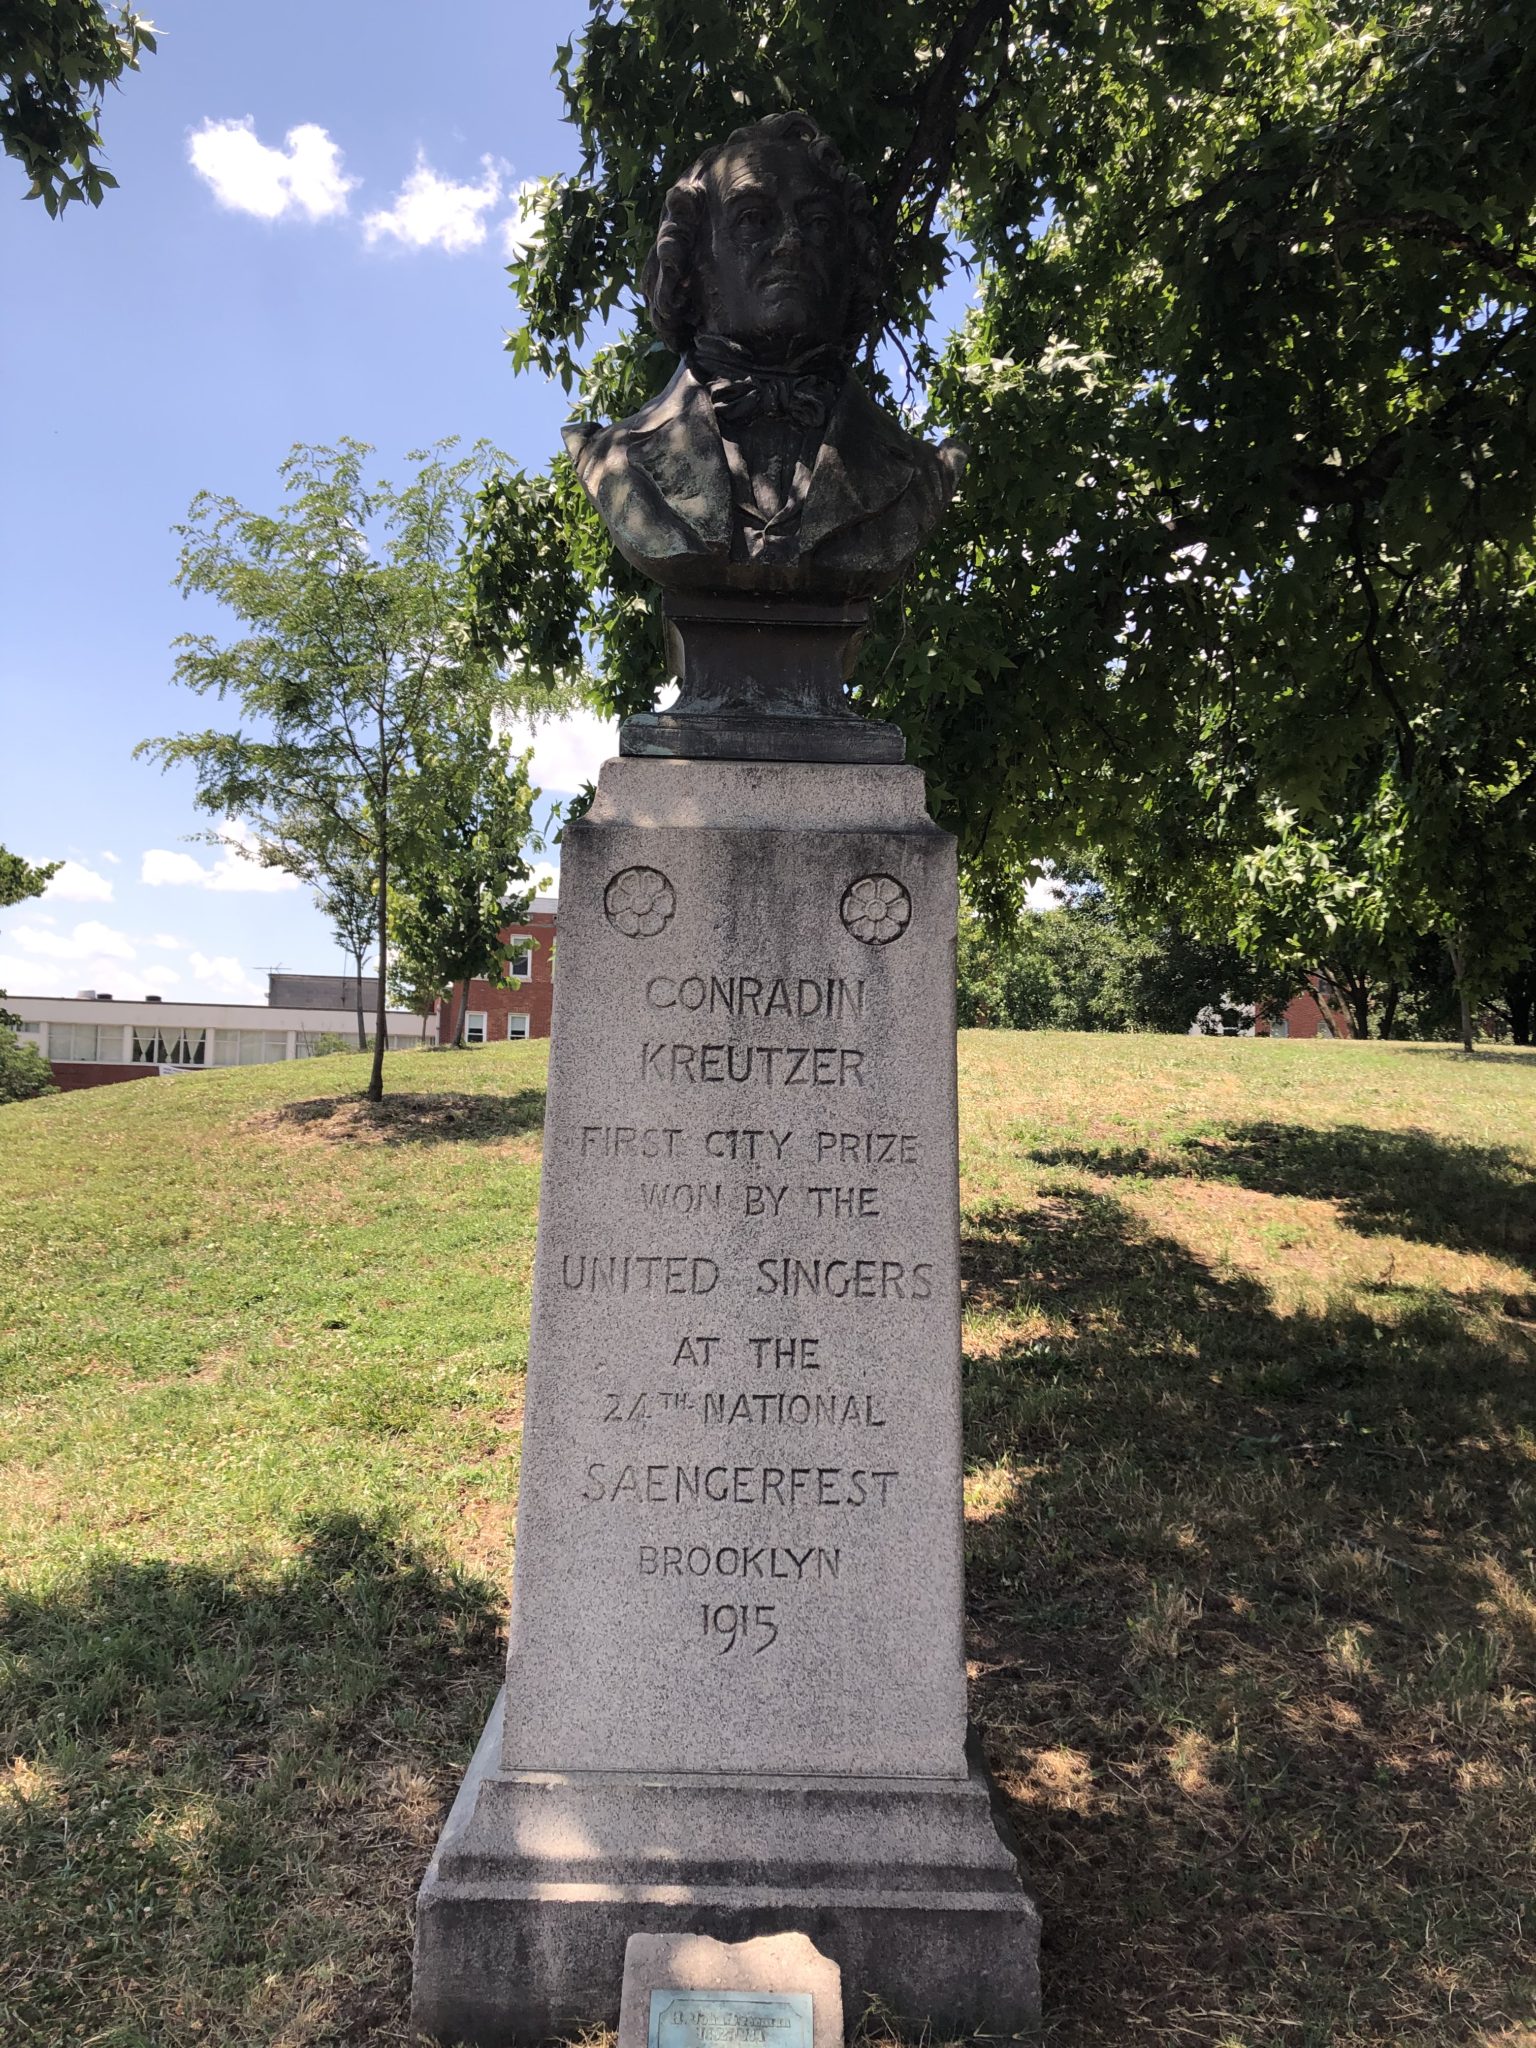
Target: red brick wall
x=97, y=1073
x=1304, y=1014
x=532, y=999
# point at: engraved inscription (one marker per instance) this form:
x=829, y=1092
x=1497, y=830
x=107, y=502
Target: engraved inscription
x=847, y=1279
x=770, y=1066
x=738, y=1486
x=749, y=995
x=637, y=1273
x=739, y=1561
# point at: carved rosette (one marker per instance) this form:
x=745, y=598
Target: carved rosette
x=876, y=909
x=639, y=902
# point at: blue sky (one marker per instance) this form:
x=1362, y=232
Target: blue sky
x=308, y=241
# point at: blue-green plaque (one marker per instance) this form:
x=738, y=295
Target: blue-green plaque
x=730, y=2019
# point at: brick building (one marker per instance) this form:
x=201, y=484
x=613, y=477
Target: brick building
x=1316, y=1013
x=520, y=1010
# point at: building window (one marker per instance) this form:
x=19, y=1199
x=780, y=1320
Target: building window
x=248, y=1048
x=517, y=1027
x=520, y=966
x=1324, y=1028
x=474, y=1028
x=83, y=1042
x=1280, y=1028
x=176, y=1045
x=29, y=1031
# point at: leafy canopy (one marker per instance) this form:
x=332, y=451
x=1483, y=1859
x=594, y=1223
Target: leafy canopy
x=57, y=58
x=1247, y=534
x=358, y=668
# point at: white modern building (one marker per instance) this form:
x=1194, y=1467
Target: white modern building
x=92, y=1038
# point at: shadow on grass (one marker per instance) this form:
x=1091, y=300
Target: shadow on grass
x=410, y=1119
x=1398, y=1183
x=225, y=1788
x=1253, y=1628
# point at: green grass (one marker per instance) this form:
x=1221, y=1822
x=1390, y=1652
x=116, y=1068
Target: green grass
x=1251, y=1512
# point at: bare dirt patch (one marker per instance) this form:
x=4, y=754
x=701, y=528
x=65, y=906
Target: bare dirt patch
x=406, y=1119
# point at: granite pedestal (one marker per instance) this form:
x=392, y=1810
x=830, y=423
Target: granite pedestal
x=735, y=1699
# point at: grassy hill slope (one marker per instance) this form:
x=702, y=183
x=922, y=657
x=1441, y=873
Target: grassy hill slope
x=1250, y=1344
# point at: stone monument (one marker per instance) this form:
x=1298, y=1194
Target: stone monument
x=735, y=1698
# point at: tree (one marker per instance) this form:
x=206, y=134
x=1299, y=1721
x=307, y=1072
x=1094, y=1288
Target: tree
x=57, y=58
x=20, y=879
x=474, y=827
x=345, y=892
x=1249, y=527
x=358, y=667
x=1089, y=965
x=23, y=1070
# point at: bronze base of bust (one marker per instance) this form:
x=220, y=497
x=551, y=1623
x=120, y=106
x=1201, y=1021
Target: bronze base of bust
x=762, y=679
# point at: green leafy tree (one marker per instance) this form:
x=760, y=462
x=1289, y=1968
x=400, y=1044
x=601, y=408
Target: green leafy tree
x=345, y=894
x=358, y=667
x=1088, y=965
x=473, y=814
x=1248, y=525
x=20, y=879
x=23, y=1070
x=57, y=58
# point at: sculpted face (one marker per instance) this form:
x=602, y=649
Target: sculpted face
x=776, y=271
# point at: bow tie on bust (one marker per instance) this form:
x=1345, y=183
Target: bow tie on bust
x=801, y=390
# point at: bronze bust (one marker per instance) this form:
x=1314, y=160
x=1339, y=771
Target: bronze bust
x=764, y=467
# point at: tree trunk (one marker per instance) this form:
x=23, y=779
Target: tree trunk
x=1458, y=952
x=458, y=1036
x=381, y=1017
x=1520, y=995
x=1357, y=1000
x=1390, y=1001
x=362, y=1025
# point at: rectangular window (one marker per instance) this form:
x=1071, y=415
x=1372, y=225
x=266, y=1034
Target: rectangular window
x=248, y=1048
x=474, y=1028
x=1324, y=1028
x=29, y=1031
x=517, y=1027
x=1280, y=1028
x=520, y=966
x=79, y=1042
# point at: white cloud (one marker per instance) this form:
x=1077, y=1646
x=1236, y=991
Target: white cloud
x=75, y=883
x=521, y=229
x=168, y=944
x=304, y=177
x=567, y=752
x=1046, y=892
x=545, y=877
x=235, y=869
x=88, y=940
x=116, y=859
x=224, y=979
x=432, y=212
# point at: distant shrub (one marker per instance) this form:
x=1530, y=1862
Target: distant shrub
x=24, y=1072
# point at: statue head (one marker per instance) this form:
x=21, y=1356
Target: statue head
x=768, y=239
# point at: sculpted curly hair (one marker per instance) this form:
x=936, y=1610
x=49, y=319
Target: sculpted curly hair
x=670, y=280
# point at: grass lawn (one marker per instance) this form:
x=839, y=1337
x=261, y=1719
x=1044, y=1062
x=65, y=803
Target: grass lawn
x=1251, y=1502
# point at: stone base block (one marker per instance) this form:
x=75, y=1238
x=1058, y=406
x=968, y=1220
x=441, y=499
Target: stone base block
x=727, y=736
x=540, y=1878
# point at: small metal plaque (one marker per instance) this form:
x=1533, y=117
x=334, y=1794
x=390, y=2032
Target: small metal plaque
x=730, y=2019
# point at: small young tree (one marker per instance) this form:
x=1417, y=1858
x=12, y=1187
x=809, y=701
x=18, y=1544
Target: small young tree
x=23, y=1070
x=357, y=669
x=346, y=895
x=472, y=809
